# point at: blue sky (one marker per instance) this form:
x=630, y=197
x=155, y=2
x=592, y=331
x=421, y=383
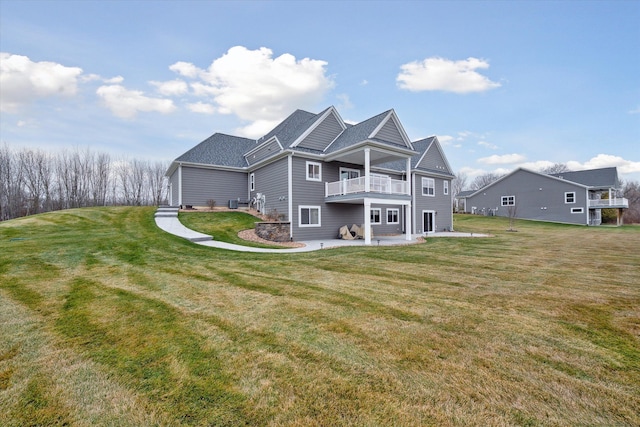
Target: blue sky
x=502, y=84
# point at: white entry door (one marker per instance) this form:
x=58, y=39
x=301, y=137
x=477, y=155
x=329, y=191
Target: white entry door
x=428, y=221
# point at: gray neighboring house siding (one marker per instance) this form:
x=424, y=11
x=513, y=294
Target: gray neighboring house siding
x=174, y=188
x=538, y=197
x=200, y=185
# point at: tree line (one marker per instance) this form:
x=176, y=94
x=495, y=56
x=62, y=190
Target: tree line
x=34, y=181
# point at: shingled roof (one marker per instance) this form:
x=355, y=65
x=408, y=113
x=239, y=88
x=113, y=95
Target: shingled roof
x=221, y=150
x=595, y=178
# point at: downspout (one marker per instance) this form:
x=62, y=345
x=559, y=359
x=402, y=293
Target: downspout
x=290, y=193
x=180, y=185
x=408, y=215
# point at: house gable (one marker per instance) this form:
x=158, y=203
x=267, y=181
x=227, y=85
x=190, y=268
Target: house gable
x=264, y=150
x=433, y=158
x=391, y=130
x=318, y=136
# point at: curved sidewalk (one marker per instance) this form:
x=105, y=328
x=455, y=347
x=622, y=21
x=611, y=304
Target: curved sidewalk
x=167, y=220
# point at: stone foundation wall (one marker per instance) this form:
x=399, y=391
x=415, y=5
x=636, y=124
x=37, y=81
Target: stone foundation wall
x=273, y=231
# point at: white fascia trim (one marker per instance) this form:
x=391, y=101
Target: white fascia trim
x=387, y=201
x=210, y=166
x=396, y=121
x=407, y=152
x=330, y=110
x=268, y=141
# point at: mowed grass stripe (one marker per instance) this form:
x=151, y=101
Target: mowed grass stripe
x=534, y=327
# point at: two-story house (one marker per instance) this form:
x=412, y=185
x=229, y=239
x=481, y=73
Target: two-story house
x=321, y=173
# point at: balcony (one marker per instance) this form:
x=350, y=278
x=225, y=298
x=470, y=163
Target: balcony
x=619, y=202
x=377, y=185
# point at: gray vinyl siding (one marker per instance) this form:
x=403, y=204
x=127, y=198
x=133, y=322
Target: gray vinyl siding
x=311, y=193
x=433, y=160
x=440, y=203
x=174, y=181
x=271, y=180
x=200, y=185
x=267, y=150
x=390, y=132
x=323, y=135
x=537, y=197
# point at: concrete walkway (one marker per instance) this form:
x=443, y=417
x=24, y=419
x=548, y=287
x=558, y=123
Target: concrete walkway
x=167, y=220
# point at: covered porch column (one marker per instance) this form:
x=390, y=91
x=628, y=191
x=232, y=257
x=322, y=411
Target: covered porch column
x=408, y=208
x=367, y=221
x=367, y=170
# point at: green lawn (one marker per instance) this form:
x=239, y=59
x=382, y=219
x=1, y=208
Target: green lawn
x=106, y=320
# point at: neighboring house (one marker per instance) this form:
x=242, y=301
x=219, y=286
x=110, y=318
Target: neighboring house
x=569, y=197
x=321, y=173
x=459, y=200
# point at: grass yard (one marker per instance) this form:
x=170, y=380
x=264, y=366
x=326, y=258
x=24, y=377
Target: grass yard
x=106, y=320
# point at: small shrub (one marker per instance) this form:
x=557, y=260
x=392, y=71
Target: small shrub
x=211, y=203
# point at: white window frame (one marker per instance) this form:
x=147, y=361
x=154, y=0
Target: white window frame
x=577, y=210
x=566, y=197
x=310, y=176
x=432, y=186
x=252, y=181
x=508, y=200
x=310, y=208
x=445, y=188
x=379, y=211
x=396, y=211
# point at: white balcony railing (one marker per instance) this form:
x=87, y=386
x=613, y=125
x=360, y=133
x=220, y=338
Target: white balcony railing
x=618, y=202
x=377, y=184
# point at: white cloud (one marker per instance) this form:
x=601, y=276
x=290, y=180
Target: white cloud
x=201, y=107
x=185, y=69
x=257, y=87
x=364, y=82
x=605, y=161
x=127, y=103
x=445, y=139
x=537, y=165
x=635, y=111
x=445, y=75
x=23, y=81
x=505, y=159
x=171, y=88
x=488, y=145
x=345, y=102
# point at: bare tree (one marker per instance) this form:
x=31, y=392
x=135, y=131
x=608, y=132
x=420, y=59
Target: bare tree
x=631, y=191
x=459, y=183
x=156, y=180
x=556, y=168
x=512, y=212
x=484, y=180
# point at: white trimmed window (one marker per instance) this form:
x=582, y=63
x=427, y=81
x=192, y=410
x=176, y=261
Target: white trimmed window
x=393, y=216
x=570, y=197
x=508, y=201
x=346, y=173
x=428, y=187
x=376, y=216
x=314, y=171
x=309, y=216
x=577, y=210
x=252, y=182
x=445, y=187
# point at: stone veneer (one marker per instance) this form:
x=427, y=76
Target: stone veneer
x=277, y=231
